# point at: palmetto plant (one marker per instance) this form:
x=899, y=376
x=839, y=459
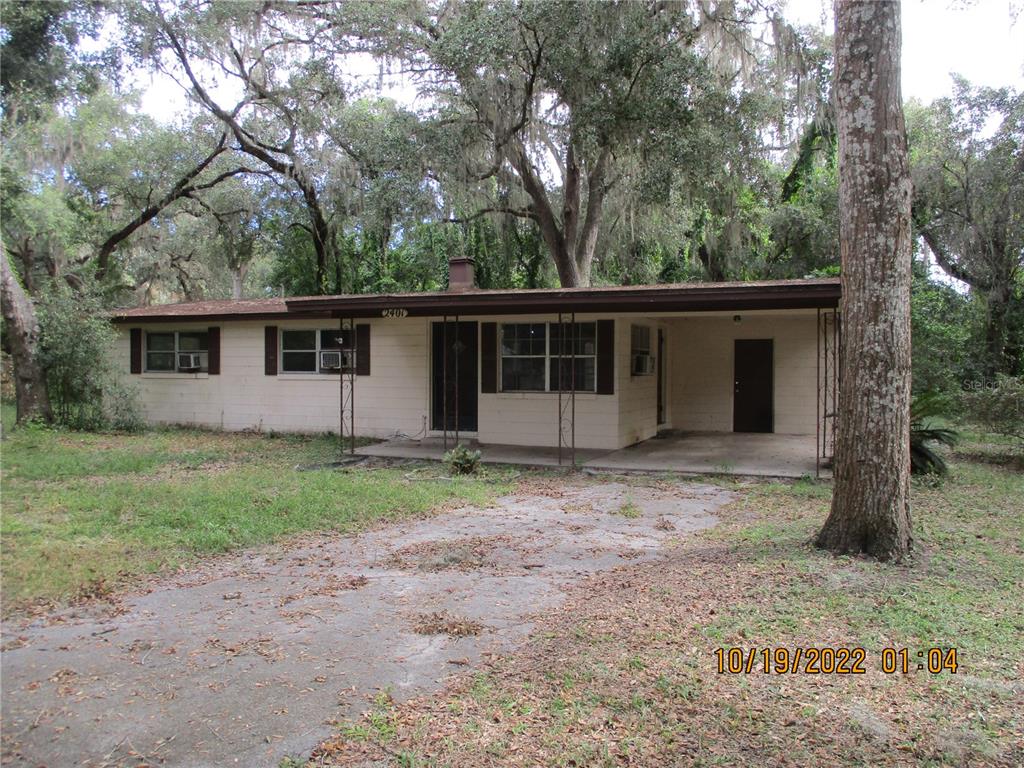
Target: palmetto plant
x=924, y=460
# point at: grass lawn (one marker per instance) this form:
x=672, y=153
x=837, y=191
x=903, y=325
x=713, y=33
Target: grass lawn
x=84, y=513
x=626, y=672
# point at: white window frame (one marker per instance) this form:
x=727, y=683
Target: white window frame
x=502, y=356
x=319, y=348
x=204, y=361
x=548, y=357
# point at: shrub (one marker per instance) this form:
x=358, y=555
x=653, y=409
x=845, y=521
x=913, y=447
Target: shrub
x=462, y=461
x=76, y=341
x=923, y=458
x=997, y=407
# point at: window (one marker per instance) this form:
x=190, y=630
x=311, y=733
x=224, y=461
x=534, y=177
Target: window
x=530, y=354
x=640, y=338
x=300, y=350
x=523, y=357
x=641, y=361
x=177, y=351
x=585, y=361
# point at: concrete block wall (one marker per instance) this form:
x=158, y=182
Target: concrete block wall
x=395, y=398
x=700, y=355
x=391, y=399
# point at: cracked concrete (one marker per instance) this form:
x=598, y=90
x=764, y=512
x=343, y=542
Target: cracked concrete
x=249, y=659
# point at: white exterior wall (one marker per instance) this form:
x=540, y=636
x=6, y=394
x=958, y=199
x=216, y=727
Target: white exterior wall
x=700, y=354
x=395, y=398
x=637, y=395
x=531, y=418
x=391, y=399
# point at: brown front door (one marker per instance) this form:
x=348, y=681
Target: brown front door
x=752, y=404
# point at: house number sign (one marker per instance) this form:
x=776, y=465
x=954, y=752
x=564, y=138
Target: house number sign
x=394, y=312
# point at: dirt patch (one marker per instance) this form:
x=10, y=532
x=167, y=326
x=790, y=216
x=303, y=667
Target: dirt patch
x=463, y=554
x=444, y=623
x=327, y=587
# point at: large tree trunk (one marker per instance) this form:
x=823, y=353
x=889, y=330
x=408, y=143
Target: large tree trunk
x=996, y=329
x=571, y=240
x=23, y=335
x=871, y=497
x=237, y=281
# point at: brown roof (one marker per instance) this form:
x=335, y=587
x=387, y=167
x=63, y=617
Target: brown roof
x=762, y=294
x=217, y=308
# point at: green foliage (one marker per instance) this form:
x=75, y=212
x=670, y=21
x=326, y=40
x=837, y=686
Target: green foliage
x=805, y=226
x=81, y=508
x=924, y=460
x=460, y=460
x=76, y=343
x=944, y=328
x=967, y=159
x=997, y=407
x=43, y=61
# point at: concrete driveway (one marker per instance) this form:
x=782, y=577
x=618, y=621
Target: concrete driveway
x=249, y=659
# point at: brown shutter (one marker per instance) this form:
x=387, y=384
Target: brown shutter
x=270, y=350
x=605, y=357
x=488, y=357
x=213, y=353
x=136, y=353
x=362, y=350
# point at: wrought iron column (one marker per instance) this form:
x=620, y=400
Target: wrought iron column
x=444, y=382
x=347, y=374
x=457, y=349
x=566, y=405
x=827, y=388
x=837, y=361
x=817, y=395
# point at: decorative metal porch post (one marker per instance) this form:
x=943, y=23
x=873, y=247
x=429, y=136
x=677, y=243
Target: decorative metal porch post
x=347, y=395
x=567, y=405
x=444, y=382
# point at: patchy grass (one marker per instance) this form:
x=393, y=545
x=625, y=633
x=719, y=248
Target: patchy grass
x=625, y=673
x=629, y=509
x=8, y=415
x=83, y=512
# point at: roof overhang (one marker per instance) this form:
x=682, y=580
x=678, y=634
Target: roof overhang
x=690, y=298
x=693, y=297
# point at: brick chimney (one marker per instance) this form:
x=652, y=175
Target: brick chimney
x=461, y=275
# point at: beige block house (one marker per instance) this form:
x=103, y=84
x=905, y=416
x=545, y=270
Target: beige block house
x=633, y=361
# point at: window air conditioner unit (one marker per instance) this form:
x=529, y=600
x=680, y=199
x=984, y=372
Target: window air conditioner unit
x=643, y=364
x=333, y=360
x=189, y=361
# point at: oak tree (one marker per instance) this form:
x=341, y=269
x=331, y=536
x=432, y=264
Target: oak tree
x=871, y=497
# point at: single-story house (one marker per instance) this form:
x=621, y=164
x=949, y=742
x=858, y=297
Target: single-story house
x=587, y=368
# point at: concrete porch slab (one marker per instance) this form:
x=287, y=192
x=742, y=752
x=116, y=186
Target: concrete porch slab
x=431, y=449
x=729, y=453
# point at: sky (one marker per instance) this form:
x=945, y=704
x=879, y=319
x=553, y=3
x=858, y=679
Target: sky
x=980, y=40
